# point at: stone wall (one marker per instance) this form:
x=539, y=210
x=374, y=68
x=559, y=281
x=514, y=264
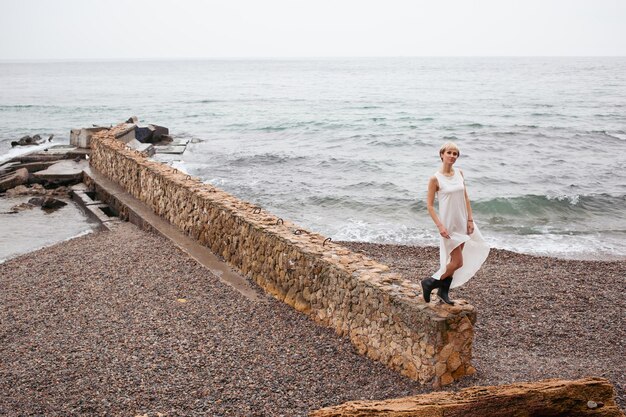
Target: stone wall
x=378, y=310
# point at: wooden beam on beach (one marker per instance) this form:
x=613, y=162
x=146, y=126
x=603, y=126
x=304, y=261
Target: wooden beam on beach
x=552, y=397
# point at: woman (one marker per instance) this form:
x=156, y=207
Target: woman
x=462, y=249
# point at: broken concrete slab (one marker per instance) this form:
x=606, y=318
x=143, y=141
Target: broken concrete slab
x=145, y=148
x=127, y=133
x=176, y=149
x=13, y=179
x=30, y=166
x=179, y=142
x=10, y=166
x=63, y=170
x=95, y=209
x=82, y=137
x=53, y=153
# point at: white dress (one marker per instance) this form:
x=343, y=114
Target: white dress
x=453, y=215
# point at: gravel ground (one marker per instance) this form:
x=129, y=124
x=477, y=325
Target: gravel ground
x=98, y=326
x=93, y=326
x=538, y=317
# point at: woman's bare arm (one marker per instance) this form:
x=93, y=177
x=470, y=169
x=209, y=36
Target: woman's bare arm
x=433, y=186
x=468, y=205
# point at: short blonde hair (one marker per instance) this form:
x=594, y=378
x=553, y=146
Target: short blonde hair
x=446, y=146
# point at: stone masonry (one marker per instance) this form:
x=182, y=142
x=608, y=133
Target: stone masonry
x=378, y=310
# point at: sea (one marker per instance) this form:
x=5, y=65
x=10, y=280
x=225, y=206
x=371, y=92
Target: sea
x=345, y=147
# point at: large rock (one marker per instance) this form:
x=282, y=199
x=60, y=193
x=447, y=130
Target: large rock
x=158, y=132
x=552, y=397
x=47, y=203
x=13, y=179
x=151, y=133
x=143, y=134
x=28, y=140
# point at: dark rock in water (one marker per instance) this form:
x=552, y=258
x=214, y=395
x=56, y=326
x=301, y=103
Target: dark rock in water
x=27, y=140
x=151, y=134
x=36, y=201
x=47, y=203
x=24, y=141
x=50, y=203
x=20, y=207
x=50, y=137
x=158, y=132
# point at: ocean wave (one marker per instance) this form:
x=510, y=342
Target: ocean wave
x=272, y=128
x=322, y=125
x=25, y=106
x=263, y=159
x=22, y=150
x=546, y=205
x=357, y=230
x=378, y=205
x=369, y=186
x=619, y=135
x=365, y=165
x=391, y=143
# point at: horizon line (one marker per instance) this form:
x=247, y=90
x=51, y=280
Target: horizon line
x=279, y=58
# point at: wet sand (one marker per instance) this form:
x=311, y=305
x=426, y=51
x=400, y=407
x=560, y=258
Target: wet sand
x=122, y=323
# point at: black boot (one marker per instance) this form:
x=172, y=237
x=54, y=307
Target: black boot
x=428, y=285
x=444, y=287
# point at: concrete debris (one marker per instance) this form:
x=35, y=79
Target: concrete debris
x=13, y=179
x=82, y=137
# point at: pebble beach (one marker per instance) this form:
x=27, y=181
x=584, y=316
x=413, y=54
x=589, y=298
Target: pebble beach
x=123, y=323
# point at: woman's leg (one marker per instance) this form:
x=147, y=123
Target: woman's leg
x=456, y=261
x=443, y=283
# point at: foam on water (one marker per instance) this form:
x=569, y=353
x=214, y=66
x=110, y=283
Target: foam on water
x=14, y=152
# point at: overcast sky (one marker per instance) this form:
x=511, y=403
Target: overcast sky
x=116, y=29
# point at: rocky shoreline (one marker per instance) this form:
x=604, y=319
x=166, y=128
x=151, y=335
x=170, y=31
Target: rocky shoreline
x=122, y=323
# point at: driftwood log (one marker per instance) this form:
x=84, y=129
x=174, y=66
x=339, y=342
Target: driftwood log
x=552, y=397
